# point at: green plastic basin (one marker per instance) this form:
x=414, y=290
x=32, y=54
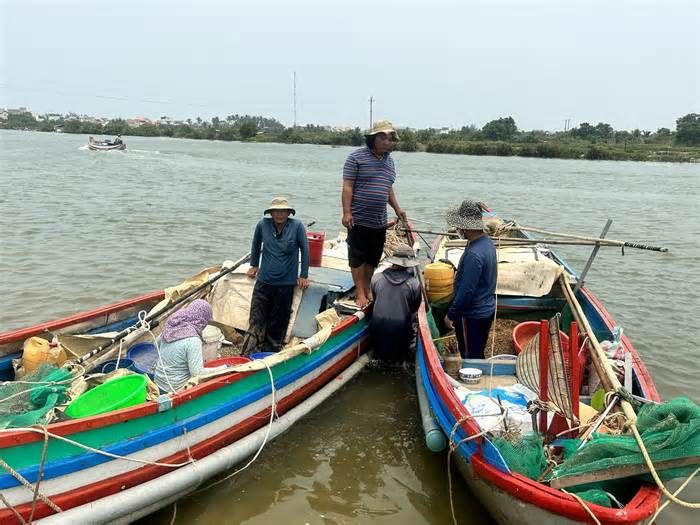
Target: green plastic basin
x=118, y=393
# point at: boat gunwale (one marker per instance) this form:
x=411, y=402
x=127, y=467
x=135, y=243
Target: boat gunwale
x=64, y=428
x=643, y=503
x=228, y=437
x=22, y=333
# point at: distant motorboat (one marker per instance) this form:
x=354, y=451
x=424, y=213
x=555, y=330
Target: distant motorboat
x=106, y=145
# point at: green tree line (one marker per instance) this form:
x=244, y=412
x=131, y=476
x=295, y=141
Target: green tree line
x=499, y=137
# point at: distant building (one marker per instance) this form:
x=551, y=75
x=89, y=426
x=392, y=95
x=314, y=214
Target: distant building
x=19, y=111
x=137, y=121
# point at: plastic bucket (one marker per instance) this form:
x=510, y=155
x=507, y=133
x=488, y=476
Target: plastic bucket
x=211, y=343
x=111, y=366
x=524, y=332
x=261, y=355
x=115, y=394
x=230, y=361
x=144, y=356
x=315, y=241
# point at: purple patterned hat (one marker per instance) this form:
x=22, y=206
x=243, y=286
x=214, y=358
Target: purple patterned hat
x=188, y=322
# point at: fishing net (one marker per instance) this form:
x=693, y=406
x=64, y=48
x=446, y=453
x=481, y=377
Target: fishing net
x=523, y=453
x=595, y=496
x=434, y=332
x=439, y=310
x=669, y=431
x=29, y=401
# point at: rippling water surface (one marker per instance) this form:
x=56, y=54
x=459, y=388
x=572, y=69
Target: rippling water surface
x=79, y=229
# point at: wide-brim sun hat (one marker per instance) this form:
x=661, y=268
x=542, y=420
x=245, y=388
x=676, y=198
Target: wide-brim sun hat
x=404, y=256
x=466, y=216
x=280, y=203
x=382, y=126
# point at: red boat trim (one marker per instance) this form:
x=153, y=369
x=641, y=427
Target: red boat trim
x=437, y=376
x=94, y=491
x=90, y=423
x=23, y=333
x=642, y=505
x=640, y=368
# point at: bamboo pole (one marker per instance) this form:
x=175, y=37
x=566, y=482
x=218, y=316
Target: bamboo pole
x=626, y=244
x=597, y=354
x=575, y=240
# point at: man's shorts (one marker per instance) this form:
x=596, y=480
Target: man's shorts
x=365, y=245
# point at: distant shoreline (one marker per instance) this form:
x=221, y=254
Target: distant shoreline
x=542, y=145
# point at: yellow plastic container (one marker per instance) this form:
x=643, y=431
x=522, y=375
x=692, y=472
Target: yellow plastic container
x=434, y=297
x=37, y=351
x=439, y=280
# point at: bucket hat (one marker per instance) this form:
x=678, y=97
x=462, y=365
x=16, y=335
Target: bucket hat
x=466, y=216
x=383, y=126
x=280, y=203
x=403, y=255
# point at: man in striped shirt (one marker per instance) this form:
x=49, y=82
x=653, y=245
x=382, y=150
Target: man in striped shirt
x=368, y=178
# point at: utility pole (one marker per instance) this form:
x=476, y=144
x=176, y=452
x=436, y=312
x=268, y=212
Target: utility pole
x=371, y=104
x=295, y=100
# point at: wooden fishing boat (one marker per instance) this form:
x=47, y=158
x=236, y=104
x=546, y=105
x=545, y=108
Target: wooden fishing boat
x=124, y=464
x=509, y=496
x=104, y=145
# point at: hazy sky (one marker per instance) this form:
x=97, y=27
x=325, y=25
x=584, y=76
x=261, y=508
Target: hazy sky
x=633, y=64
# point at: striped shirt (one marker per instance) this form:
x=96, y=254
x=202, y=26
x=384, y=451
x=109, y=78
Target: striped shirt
x=372, y=179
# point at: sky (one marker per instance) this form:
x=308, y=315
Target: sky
x=435, y=63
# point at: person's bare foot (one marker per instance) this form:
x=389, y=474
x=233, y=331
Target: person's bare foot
x=361, y=301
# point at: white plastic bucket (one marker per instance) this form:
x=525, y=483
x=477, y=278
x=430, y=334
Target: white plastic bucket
x=211, y=338
x=470, y=375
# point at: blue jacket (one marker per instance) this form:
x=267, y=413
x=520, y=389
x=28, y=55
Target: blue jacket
x=280, y=253
x=475, y=282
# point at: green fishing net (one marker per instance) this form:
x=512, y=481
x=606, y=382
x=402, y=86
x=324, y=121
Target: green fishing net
x=434, y=332
x=669, y=430
x=28, y=401
x=523, y=453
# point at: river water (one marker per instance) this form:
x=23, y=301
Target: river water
x=79, y=229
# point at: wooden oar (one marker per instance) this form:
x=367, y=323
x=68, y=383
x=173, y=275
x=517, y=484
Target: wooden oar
x=152, y=318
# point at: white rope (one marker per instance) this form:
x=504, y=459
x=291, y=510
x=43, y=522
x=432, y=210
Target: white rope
x=119, y=354
x=454, y=446
x=147, y=326
x=43, y=383
x=583, y=504
x=678, y=491
x=655, y=475
x=273, y=413
x=91, y=449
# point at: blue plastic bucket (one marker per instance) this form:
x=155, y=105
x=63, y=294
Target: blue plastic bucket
x=261, y=355
x=111, y=366
x=144, y=356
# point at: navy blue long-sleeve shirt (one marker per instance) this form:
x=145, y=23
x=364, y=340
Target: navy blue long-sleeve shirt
x=280, y=253
x=475, y=282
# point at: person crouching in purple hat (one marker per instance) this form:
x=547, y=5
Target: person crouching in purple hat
x=181, y=347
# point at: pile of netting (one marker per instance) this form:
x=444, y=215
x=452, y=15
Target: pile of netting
x=30, y=400
x=669, y=430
